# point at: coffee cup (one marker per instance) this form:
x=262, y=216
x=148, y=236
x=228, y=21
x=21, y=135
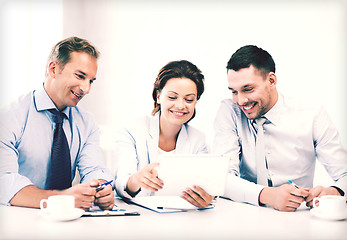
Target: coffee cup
x=58, y=205
x=330, y=205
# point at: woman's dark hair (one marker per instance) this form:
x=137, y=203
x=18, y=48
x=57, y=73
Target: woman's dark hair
x=177, y=69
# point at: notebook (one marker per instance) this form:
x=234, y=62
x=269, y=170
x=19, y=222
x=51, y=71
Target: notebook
x=179, y=172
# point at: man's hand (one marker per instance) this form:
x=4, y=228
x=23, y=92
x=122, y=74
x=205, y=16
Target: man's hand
x=318, y=192
x=105, y=197
x=84, y=195
x=283, y=198
x=198, y=197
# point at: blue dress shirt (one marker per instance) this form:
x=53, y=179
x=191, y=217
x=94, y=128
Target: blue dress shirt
x=26, y=135
x=295, y=135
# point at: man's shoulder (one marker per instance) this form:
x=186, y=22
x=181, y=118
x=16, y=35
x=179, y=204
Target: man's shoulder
x=82, y=116
x=297, y=105
x=81, y=112
x=18, y=108
x=20, y=102
x=229, y=103
x=229, y=108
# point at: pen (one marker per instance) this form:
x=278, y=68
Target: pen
x=171, y=208
x=291, y=182
x=185, y=209
x=103, y=185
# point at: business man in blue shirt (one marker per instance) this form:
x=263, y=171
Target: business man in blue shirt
x=27, y=128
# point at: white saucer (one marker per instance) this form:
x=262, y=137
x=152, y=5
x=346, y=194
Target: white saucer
x=318, y=213
x=76, y=213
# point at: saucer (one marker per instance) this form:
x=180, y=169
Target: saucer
x=74, y=214
x=316, y=212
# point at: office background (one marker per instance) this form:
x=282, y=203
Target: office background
x=307, y=40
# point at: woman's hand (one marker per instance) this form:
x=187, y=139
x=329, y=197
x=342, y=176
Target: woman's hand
x=145, y=178
x=198, y=197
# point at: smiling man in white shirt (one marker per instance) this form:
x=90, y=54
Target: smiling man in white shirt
x=295, y=135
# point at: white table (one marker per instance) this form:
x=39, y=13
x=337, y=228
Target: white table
x=228, y=220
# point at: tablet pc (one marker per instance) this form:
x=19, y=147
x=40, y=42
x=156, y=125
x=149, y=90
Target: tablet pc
x=179, y=172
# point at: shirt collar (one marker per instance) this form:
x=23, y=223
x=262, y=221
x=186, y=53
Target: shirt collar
x=274, y=114
x=44, y=102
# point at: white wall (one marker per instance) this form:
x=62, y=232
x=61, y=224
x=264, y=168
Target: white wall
x=307, y=40
x=136, y=38
x=28, y=31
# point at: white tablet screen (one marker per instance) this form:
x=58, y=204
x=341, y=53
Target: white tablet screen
x=179, y=172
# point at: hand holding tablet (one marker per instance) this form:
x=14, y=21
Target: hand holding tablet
x=179, y=172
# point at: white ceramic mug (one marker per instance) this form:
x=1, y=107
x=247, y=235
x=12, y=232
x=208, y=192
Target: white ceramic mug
x=330, y=205
x=58, y=205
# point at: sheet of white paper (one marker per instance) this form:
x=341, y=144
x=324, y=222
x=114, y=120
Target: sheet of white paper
x=164, y=203
x=180, y=172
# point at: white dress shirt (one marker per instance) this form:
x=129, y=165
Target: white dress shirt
x=137, y=146
x=295, y=135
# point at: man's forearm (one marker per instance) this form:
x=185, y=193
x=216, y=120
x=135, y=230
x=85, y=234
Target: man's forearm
x=30, y=196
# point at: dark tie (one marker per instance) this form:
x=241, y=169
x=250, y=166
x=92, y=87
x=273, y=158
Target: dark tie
x=59, y=172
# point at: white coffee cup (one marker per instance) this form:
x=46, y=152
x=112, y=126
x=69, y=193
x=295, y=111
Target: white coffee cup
x=330, y=205
x=58, y=205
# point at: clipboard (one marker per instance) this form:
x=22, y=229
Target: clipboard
x=97, y=212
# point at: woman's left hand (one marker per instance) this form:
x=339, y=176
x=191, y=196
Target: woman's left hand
x=198, y=197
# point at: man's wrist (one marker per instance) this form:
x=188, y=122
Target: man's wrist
x=341, y=192
x=262, y=200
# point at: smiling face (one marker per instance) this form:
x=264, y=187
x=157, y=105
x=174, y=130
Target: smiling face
x=67, y=85
x=177, y=101
x=254, y=93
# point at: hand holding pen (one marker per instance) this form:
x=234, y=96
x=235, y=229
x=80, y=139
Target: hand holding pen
x=292, y=183
x=104, y=199
x=296, y=186
x=103, y=185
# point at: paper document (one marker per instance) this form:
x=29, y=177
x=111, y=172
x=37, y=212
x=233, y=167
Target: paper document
x=164, y=204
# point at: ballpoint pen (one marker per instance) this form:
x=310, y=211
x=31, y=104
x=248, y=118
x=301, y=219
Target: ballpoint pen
x=103, y=185
x=186, y=209
x=172, y=208
x=292, y=183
